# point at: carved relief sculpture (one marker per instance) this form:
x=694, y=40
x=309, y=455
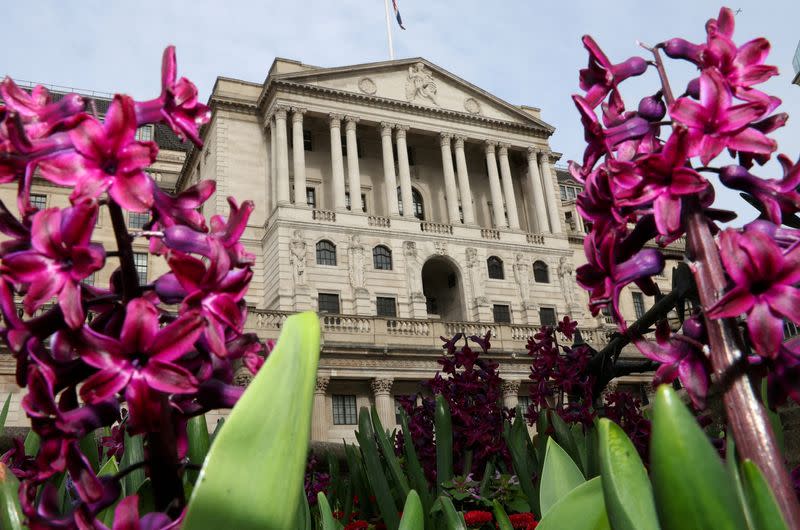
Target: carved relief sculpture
x=367, y=86
x=566, y=277
x=298, y=257
x=522, y=276
x=420, y=84
x=413, y=270
x=472, y=106
x=357, y=264
x=475, y=273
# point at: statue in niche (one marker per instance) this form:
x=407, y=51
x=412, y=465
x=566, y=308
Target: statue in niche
x=566, y=277
x=297, y=257
x=413, y=270
x=420, y=84
x=522, y=276
x=357, y=264
x=475, y=268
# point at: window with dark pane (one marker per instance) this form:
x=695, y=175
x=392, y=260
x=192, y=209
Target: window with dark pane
x=311, y=197
x=38, y=201
x=495, y=267
x=419, y=205
x=524, y=402
x=386, y=306
x=347, y=202
x=364, y=202
x=326, y=253
x=89, y=280
x=502, y=314
x=344, y=409
x=547, y=316
x=638, y=304
x=140, y=260
x=137, y=220
x=329, y=303
x=308, y=140
x=540, y=272
x=431, y=305
x=144, y=133
x=382, y=258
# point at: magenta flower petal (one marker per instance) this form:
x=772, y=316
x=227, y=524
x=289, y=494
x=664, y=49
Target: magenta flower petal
x=786, y=301
x=177, y=338
x=766, y=330
x=133, y=191
x=104, y=385
x=734, y=303
x=140, y=326
x=126, y=514
x=69, y=299
x=168, y=377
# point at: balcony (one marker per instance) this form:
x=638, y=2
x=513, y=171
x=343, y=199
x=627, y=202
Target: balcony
x=399, y=333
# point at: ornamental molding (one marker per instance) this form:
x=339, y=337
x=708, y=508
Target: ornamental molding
x=321, y=385
x=510, y=387
x=367, y=86
x=381, y=385
x=472, y=106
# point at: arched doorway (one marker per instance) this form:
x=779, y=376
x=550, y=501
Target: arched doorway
x=442, y=287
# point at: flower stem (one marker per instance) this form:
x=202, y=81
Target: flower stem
x=752, y=431
x=130, y=279
x=662, y=73
x=162, y=457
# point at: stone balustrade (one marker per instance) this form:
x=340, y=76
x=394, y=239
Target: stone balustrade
x=436, y=228
x=490, y=233
x=324, y=215
x=380, y=222
x=536, y=239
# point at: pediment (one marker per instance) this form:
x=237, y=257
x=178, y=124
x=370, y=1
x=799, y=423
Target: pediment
x=418, y=82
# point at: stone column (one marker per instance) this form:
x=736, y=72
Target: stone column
x=389, y=178
x=272, y=191
x=353, y=172
x=299, y=157
x=450, y=190
x=404, y=171
x=337, y=163
x=508, y=187
x=319, y=417
x=494, y=188
x=384, y=404
x=282, y=146
x=536, y=192
x=463, y=181
x=510, y=390
x=553, y=209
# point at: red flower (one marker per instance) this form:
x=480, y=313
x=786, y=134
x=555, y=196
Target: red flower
x=477, y=518
x=522, y=520
x=355, y=525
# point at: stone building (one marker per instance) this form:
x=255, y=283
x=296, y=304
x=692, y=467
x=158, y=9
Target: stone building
x=399, y=201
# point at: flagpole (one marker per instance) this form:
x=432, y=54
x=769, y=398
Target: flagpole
x=389, y=30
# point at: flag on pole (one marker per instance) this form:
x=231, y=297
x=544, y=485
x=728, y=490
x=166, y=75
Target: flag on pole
x=397, y=14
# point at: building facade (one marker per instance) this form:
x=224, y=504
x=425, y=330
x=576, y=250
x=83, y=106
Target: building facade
x=403, y=204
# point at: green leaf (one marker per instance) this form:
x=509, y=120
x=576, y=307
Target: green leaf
x=133, y=455
x=387, y=449
x=579, y=440
x=327, y=519
x=109, y=468
x=560, y=475
x=732, y=466
x=764, y=511
x=690, y=484
x=488, y=473
x=564, y=437
x=520, y=464
x=443, y=425
x=217, y=428
x=581, y=509
x=592, y=456
x=10, y=510
x=774, y=418
x=375, y=474
x=90, y=450
x=197, y=437
x=452, y=518
x=4, y=414
x=252, y=477
x=415, y=471
x=413, y=517
x=32, y=442
x=626, y=488
x=500, y=516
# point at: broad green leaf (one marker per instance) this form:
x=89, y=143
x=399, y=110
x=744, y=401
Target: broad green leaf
x=133, y=455
x=389, y=457
x=217, y=428
x=10, y=510
x=413, y=516
x=32, y=442
x=764, y=511
x=90, y=450
x=4, y=414
x=581, y=509
x=327, y=519
x=443, y=425
x=488, y=473
x=520, y=464
x=453, y=519
x=375, y=473
x=732, y=466
x=579, y=439
x=690, y=484
x=252, y=477
x=592, y=456
x=413, y=466
x=626, y=488
x=501, y=517
x=560, y=475
x=197, y=437
x=564, y=437
x=109, y=468
x=774, y=418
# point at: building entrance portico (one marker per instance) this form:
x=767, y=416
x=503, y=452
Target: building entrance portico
x=442, y=287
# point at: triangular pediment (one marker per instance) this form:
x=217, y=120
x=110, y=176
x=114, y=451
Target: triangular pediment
x=416, y=81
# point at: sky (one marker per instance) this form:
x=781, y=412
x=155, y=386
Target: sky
x=523, y=51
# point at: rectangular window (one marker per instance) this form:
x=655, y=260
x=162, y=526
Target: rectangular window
x=607, y=317
x=308, y=140
x=344, y=409
x=547, y=316
x=789, y=329
x=638, y=304
x=563, y=190
x=89, y=280
x=364, y=202
x=348, y=205
x=140, y=260
x=431, y=305
x=398, y=412
x=570, y=193
x=311, y=197
x=502, y=314
x=329, y=303
x=386, y=306
x=412, y=156
x=144, y=133
x=39, y=201
x=524, y=402
x=347, y=202
x=137, y=220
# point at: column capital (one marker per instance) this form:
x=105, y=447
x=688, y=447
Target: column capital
x=502, y=149
x=489, y=146
x=401, y=130
x=350, y=123
x=533, y=152
x=321, y=385
x=351, y=119
x=280, y=111
x=382, y=385
x=459, y=141
x=386, y=128
x=298, y=110
x=444, y=139
x=510, y=386
x=336, y=119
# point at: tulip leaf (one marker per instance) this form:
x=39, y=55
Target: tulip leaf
x=761, y=505
x=443, y=424
x=560, y=475
x=10, y=509
x=4, y=415
x=109, y=468
x=305, y=515
x=387, y=449
x=133, y=455
x=501, y=517
x=413, y=466
x=413, y=517
x=375, y=473
x=520, y=463
x=32, y=442
x=453, y=519
x=252, y=477
x=581, y=509
x=626, y=488
x=89, y=448
x=327, y=519
x=197, y=438
x=692, y=489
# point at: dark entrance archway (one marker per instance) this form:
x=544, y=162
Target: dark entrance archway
x=442, y=287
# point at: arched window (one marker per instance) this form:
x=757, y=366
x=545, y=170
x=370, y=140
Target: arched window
x=540, y=272
x=326, y=253
x=416, y=199
x=382, y=258
x=495, y=266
